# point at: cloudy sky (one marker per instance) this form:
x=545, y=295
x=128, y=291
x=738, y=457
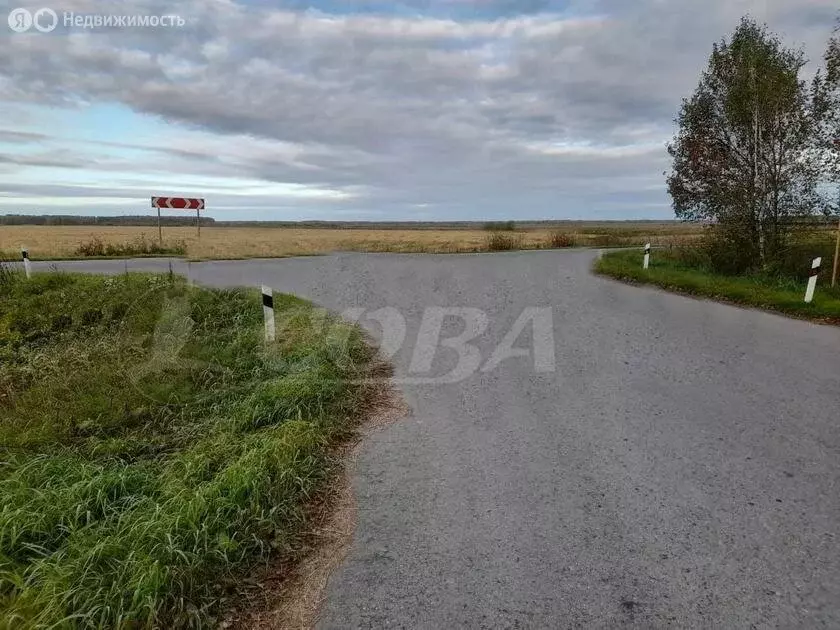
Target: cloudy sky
x=363, y=109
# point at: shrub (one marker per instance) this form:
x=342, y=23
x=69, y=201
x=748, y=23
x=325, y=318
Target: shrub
x=499, y=242
x=138, y=247
x=562, y=239
x=728, y=252
x=716, y=253
x=93, y=247
x=795, y=260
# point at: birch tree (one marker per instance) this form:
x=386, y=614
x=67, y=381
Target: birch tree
x=830, y=103
x=743, y=156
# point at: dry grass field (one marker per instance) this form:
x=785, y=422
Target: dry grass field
x=45, y=242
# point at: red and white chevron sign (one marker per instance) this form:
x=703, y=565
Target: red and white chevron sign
x=177, y=203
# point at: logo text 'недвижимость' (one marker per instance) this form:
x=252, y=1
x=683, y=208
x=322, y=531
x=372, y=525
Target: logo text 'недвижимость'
x=46, y=20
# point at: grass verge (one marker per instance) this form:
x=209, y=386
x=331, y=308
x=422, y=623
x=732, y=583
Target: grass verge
x=782, y=295
x=153, y=448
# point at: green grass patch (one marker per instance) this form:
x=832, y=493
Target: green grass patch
x=782, y=294
x=153, y=447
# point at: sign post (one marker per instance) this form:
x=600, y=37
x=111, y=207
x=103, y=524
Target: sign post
x=179, y=203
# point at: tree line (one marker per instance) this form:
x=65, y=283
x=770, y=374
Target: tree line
x=130, y=220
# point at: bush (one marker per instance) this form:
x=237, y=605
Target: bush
x=725, y=252
x=499, y=242
x=93, y=247
x=796, y=259
x=138, y=247
x=728, y=253
x=562, y=239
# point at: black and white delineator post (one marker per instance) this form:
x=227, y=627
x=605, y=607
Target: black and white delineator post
x=26, y=264
x=268, y=312
x=812, y=281
x=647, y=256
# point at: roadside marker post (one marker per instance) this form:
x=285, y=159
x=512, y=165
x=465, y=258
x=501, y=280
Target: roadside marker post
x=837, y=242
x=812, y=281
x=647, y=256
x=268, y=312
x=24, y=253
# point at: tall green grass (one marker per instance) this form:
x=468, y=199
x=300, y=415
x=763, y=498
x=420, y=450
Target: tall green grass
x=9, y=272
x=678, y=272
x=152, y=448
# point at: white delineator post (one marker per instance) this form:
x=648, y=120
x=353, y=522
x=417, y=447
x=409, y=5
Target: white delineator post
x=26, y=264
x=812, y=281
x=268, y=312
x=647, y=256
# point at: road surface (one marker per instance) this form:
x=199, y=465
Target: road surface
x=678, y=467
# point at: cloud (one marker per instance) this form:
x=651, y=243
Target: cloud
x=548, y=111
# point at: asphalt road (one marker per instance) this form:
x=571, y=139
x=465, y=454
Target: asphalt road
x=678, y=467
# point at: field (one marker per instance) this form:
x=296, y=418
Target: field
x=154, y=447
x=45, y=242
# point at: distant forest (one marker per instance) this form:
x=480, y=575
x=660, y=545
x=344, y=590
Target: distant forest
x=170, y=221
x=58, y=219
